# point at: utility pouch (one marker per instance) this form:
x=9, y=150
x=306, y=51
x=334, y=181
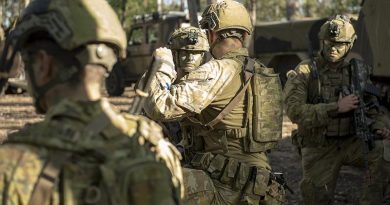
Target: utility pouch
x=201, y=160
x=216, y=166
x=261, y=187
x=242, y=176
x=230, y=171
x=261, y=182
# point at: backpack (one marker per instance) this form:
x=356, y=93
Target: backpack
x=264, y=117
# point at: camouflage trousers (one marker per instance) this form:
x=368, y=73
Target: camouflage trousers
x=321, y=167
x=231, y=187
x=386, y=169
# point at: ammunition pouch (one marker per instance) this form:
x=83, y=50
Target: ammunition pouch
x=296, y=139
x=255, y=183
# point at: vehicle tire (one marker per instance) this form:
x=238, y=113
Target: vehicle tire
x=115, y=82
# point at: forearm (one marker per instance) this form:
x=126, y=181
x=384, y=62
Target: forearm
x=162, y=104
x=300, y=111
x=310, y=115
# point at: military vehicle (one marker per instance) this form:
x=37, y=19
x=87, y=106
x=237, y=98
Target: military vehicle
x=148, y=32
x=283, y=45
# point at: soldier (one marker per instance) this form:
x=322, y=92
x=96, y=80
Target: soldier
x=318, y=98
x=225, y=144
x=83, y=152
x=189, y=46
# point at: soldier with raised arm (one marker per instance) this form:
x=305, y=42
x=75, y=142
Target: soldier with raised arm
x=83, y=152
x=333, y=102
x=231, y=114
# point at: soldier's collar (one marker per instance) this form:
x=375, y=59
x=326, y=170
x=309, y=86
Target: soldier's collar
x=75, y=109
x=235, y=53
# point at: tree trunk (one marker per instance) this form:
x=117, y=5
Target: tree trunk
x=181, y=5
x=292, y=9
x=252, y=7
x=193, y=8
x=159, y=6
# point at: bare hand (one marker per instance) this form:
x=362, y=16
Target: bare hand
x=385, y=132
x=347, y=103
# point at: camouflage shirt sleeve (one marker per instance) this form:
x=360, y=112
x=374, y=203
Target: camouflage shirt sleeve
x=157, y=178
x=295, y=99
x=169, y=101
x=20, y=166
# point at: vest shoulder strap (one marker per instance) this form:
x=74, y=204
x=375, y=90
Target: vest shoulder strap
x=248, y=72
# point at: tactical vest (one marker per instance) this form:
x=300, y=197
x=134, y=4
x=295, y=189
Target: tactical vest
x=93, y=170
x=331, y=85
x=256, y=94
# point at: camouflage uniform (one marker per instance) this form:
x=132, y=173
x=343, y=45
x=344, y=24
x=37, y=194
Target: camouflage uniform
x=83, y=152
x=326, y=138
x=126, y=162
x=224, y=162
x=189, y=46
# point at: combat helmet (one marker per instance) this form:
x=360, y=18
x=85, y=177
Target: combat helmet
x=72, y=24
x=80, y=32
x=226, y=14
x=188, y=38
x=338, y=29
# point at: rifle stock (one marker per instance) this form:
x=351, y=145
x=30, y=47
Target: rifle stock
x=142, y=89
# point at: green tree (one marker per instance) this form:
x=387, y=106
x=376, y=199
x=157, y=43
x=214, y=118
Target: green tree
x=324, y=8
x=132, y=8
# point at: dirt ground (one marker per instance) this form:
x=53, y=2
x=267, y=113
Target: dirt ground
x=17, y=110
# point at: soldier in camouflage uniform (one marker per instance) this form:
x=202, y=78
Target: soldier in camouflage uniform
x=225, y=144
x=189, y=46
x=83, y=152
x=317, y=99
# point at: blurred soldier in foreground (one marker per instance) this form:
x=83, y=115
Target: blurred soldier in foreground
x=222, y=103
x=333, y=102
x=83, y=152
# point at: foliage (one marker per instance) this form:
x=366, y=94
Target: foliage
x=324, y=8
x=133, y=8
x=277, y=10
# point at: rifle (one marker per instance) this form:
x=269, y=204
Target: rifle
x=358, y=88
x=279, y=177
x=359, y=75
x=142, y=89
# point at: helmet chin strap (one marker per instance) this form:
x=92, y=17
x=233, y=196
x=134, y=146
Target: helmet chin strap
x=38, y=92
x=212, y=45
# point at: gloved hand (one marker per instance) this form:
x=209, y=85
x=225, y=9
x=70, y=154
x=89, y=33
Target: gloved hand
x=165, y=55
x=164, y=61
